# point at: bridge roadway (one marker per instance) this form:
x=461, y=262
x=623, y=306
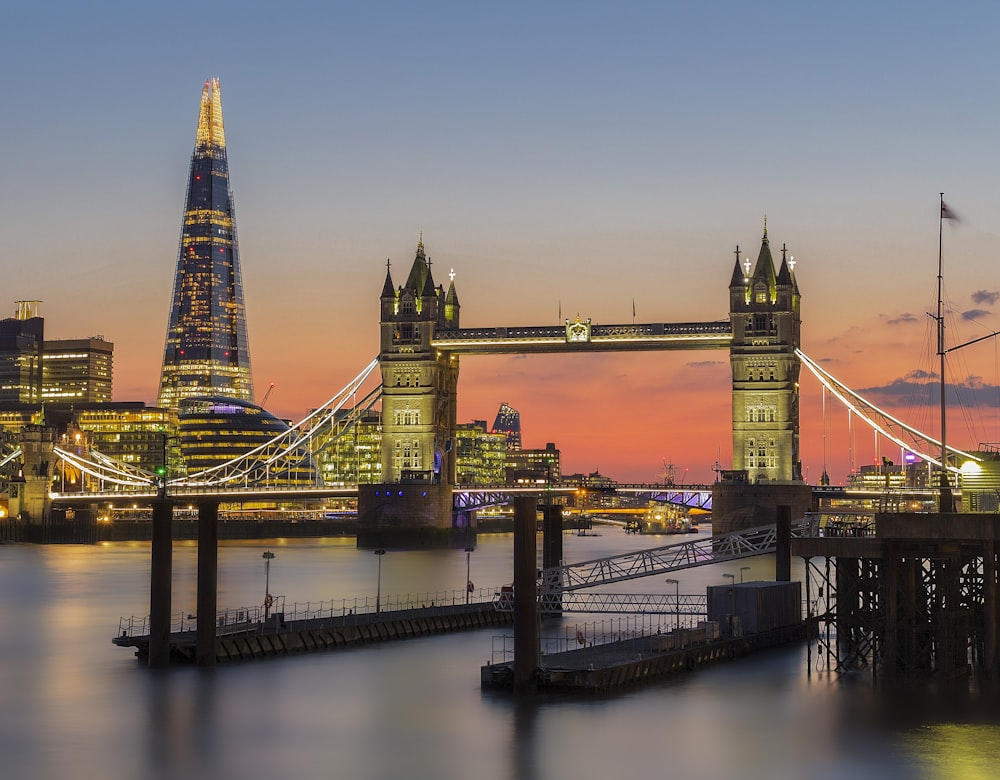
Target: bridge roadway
x=579, y=336
x=480, y=496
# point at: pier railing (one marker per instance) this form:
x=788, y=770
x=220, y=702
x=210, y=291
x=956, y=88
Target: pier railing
x=257, y=619
x=596, y=633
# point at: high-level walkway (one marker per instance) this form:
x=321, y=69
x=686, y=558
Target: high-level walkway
x=717, y=548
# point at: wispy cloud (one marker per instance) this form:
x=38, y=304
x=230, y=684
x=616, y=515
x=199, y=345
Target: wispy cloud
x=971, y=392
x=903, y=319
x=974, y=314
x=704, y=363
x=987, y=297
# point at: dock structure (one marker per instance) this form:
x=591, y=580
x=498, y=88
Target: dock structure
x=906, y=595
x=639, y=660
x=245, y=634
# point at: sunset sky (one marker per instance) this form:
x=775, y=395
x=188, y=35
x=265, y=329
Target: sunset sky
x=567, y=157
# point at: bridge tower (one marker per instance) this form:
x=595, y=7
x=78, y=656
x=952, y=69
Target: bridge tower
x=766, y=325
x=419, y=385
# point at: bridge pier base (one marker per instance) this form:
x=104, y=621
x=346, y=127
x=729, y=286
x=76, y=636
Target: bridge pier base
x=208, y=582
x=411, y=516
x=737, y=506
x=160, y=574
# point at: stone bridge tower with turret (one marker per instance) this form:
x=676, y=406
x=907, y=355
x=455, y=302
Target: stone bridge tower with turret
x=413, y=505
x=764, y=311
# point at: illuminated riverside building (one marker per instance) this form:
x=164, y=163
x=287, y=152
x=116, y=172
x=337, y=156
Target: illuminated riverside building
x=533, y=465
x=481, y=456
x=508, y=422
x=206, y=352
x=128, y=431
x=21, y=340
x=352, y=456
x=77, y=370
x=214, y=430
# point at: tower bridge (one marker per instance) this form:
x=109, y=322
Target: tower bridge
x=421, y=342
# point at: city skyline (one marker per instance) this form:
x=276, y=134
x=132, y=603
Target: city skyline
x=568, y=160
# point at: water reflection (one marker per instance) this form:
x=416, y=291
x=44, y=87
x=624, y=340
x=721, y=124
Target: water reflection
x=76, y=706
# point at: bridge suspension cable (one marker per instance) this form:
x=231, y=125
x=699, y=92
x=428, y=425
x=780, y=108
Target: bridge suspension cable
x=266, y=463
x=894, y=429
x=285, y=450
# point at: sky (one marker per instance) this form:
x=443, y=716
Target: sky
x=563, y=158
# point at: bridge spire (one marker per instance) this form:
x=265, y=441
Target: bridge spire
x=388, y=289
x=739, y=279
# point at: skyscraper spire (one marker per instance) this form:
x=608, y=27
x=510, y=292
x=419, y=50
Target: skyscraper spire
x=207, y=352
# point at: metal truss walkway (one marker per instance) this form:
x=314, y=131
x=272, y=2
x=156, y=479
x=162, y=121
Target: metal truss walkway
x=661, y=560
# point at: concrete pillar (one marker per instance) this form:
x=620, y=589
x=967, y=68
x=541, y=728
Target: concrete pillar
x=525, y=596
x=208, y=582
x=552, y=538
x=161, y=571
x=552, y=555
x=783, y=545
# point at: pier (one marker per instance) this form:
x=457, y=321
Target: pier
x=249, y=633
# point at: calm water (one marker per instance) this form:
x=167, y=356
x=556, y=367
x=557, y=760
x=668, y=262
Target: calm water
x=73, y=705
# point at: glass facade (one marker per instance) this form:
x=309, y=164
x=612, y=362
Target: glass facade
x=216, y=430
x=508, y=422
x=207, y=352
x=75, y=370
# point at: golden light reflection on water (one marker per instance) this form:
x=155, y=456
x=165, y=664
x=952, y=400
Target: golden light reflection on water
x=954, y=751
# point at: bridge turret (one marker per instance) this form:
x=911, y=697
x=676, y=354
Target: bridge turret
x=764, y=313
x=419, y=388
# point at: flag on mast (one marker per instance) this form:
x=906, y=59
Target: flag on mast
x=947, y=213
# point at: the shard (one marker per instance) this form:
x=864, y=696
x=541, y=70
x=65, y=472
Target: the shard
x=207, y=353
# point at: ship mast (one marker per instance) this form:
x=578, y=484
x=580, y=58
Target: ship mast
x=945, y=502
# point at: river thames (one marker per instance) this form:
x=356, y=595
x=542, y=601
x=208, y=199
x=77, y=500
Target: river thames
x=75, y=706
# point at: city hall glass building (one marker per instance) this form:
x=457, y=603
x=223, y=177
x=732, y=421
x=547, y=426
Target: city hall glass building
x=206, y=351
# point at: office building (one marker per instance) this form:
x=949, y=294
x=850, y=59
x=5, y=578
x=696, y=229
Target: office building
x=206, y=352
x=508, y=422
x=77, y=370
x=21, y=341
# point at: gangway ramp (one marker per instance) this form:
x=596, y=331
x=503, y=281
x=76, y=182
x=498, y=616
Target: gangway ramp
x=717, y=548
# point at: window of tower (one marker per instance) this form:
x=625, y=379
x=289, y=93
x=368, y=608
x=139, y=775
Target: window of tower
x=407, y=305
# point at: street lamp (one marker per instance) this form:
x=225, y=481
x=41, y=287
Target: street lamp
x=732, y=579
x=378, y=592
x=677, y=600
x=468, y=576
x=268, y=556
x=743, y=569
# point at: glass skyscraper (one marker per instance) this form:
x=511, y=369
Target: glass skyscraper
x=207, y=353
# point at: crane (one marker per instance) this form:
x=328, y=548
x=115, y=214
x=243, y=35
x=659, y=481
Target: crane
x=266, y=395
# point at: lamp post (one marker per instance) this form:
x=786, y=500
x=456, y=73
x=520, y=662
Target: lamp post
x=378, y=591
x=732, y=599
x=677, y=602
x=743, y=569
x=468, y=575
x=268, y=556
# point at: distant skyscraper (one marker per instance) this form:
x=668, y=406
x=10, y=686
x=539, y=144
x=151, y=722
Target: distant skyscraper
x=508, y=422
x=207, y=353
x=77, y=370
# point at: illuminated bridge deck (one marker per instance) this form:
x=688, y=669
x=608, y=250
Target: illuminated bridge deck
x=595, y=338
